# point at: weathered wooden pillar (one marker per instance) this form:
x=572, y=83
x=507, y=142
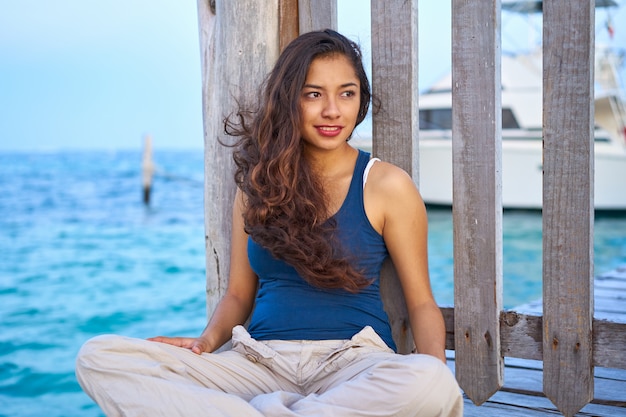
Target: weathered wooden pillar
x=288, y=22
x=237, y=52
x=395, y=127
x=477, y=196
x=568, y=137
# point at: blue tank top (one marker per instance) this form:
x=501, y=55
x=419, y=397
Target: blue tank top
x=289, y=308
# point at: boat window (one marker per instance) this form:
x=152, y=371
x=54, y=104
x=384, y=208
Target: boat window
x=441, y=119
x=508, y=120
x=436, y=119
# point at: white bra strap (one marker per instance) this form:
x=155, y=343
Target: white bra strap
x=367, y=169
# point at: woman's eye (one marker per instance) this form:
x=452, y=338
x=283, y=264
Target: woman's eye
x=312, y=94
x=348, y=93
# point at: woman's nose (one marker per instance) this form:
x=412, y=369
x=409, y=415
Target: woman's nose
x=331, y=109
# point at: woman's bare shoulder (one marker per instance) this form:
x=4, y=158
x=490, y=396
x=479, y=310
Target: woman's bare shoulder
x=390, y=180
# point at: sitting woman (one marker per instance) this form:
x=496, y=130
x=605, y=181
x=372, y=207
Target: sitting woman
x=313, y=221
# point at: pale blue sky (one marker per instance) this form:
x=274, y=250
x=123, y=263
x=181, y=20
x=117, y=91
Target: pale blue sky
x=80, y=74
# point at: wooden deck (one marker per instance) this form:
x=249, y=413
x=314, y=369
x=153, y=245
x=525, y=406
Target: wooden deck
x=522, y=393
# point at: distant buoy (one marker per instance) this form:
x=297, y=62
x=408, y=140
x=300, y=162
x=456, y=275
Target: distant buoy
x=147, y=169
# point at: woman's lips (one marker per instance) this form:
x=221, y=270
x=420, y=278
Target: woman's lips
x=329, y=131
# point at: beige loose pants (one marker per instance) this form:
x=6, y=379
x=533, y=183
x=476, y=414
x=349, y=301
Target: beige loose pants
x=352, y=378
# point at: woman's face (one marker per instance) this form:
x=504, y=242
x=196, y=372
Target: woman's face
x=329, y=103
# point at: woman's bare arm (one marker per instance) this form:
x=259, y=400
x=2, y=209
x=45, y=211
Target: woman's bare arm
x=399, y=213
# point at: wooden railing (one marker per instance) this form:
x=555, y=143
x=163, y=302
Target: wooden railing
x=240, y=41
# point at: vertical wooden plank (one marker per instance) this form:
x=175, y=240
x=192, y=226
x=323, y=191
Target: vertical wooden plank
x=395, y=82
x=477, y=201
x=287, y=22
x=568, y=203
x=317, y=15
x=236, y=55
x=395, y=127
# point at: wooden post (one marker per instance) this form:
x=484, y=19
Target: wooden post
x=477, y=196
x=317, y=15
x=237, y=52
x=147, y=169
x=395, y=127
x=568, y=119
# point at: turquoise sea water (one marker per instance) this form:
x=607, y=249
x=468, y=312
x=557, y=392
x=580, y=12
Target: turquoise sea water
x=81, y=255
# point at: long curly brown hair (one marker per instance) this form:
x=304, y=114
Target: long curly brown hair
x=286, y=209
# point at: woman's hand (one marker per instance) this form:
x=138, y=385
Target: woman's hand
x=196, y=345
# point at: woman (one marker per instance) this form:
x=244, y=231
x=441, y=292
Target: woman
x=313, y=221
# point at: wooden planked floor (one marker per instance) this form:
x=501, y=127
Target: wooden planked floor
x=522, y=394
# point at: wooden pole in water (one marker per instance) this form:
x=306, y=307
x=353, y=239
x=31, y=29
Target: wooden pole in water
x=147, y=169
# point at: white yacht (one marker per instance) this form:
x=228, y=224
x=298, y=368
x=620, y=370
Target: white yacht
x=521, y=76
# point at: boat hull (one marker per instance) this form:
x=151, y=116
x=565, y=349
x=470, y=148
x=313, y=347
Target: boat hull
x=522, y=174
